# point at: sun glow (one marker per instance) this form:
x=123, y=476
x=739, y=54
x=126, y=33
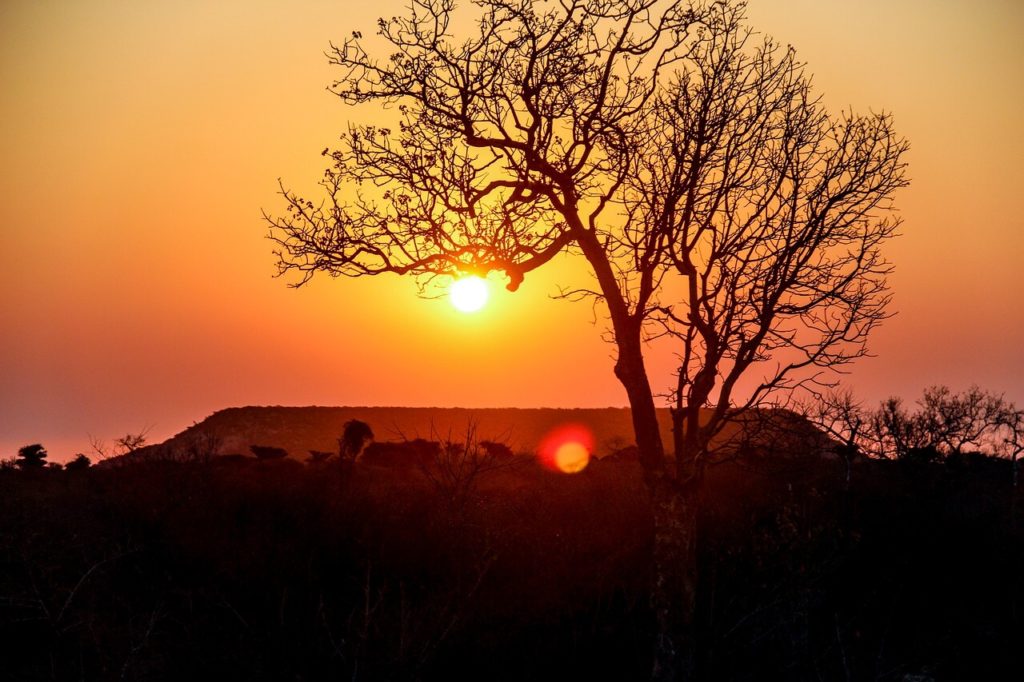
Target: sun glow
x=468, y=294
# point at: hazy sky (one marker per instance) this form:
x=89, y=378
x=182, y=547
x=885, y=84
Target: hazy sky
x=141, y=139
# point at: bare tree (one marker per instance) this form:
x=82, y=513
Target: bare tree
x=458, y=465
x=130, y=442
x=839, y=414
x=124, y=445
x=684, y=158
x=1013, y=438
x=970, y=419
x=772, y=215
x=1012, y=429
x=894, y=432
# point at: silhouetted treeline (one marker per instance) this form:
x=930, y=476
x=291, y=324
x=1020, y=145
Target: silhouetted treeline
x=942, y=423
x=271, y=570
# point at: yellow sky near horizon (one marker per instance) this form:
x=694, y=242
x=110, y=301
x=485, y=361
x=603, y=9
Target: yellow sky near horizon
x=141, y=141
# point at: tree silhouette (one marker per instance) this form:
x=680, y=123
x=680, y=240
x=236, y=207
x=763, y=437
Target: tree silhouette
x=945, y=423
x=79, y=463
x=354, y=436
x=971, y=419
x=32, y=456
x=686, y=160
x=843, y=418
x=125, y=445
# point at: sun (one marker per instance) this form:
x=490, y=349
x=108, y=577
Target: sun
x=468, y=294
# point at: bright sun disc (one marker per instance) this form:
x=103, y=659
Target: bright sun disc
x=468, y=294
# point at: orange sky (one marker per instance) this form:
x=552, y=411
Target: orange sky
x=141, y=140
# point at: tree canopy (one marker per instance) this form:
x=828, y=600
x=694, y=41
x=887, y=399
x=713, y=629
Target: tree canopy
x=32, y=456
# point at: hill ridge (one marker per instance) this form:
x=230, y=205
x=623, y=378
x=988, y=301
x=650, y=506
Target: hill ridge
x=299, y=429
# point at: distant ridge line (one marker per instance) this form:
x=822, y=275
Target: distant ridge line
x=301, y=429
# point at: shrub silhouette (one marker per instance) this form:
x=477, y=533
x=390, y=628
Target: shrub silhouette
x=495, y=450
x=32, y=456
x=418, y=452
x=79, y=463
x=268, y=452
x=316, y=456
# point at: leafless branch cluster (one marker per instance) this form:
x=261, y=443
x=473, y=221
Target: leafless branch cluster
x=124, y=445
x=772, y=215
x=508, y=144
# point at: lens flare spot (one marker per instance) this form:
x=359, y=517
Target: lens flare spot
x=567, y=448
x=572, y=458
x=468, y=294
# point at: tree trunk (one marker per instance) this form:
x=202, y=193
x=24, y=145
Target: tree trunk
x=630, y=370
x=674, y=580
x=674, y=588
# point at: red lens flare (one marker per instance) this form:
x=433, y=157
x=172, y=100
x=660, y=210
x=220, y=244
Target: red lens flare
x=567, y=448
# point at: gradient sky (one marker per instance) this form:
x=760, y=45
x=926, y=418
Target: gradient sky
x=141, y=140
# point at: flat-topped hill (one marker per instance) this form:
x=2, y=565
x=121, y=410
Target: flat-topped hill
x=298, y=430
x=301, y=429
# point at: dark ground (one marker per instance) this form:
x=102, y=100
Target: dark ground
x=273, y=570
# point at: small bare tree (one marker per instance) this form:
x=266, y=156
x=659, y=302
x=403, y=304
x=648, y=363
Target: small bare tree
x=130, y=442
x=1013, y=438
x=843, y=418
x=459, y=465
x=1012, y=445
x=124, y=445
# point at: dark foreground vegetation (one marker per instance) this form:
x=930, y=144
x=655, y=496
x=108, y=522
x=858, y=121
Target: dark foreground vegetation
x=238, y=569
